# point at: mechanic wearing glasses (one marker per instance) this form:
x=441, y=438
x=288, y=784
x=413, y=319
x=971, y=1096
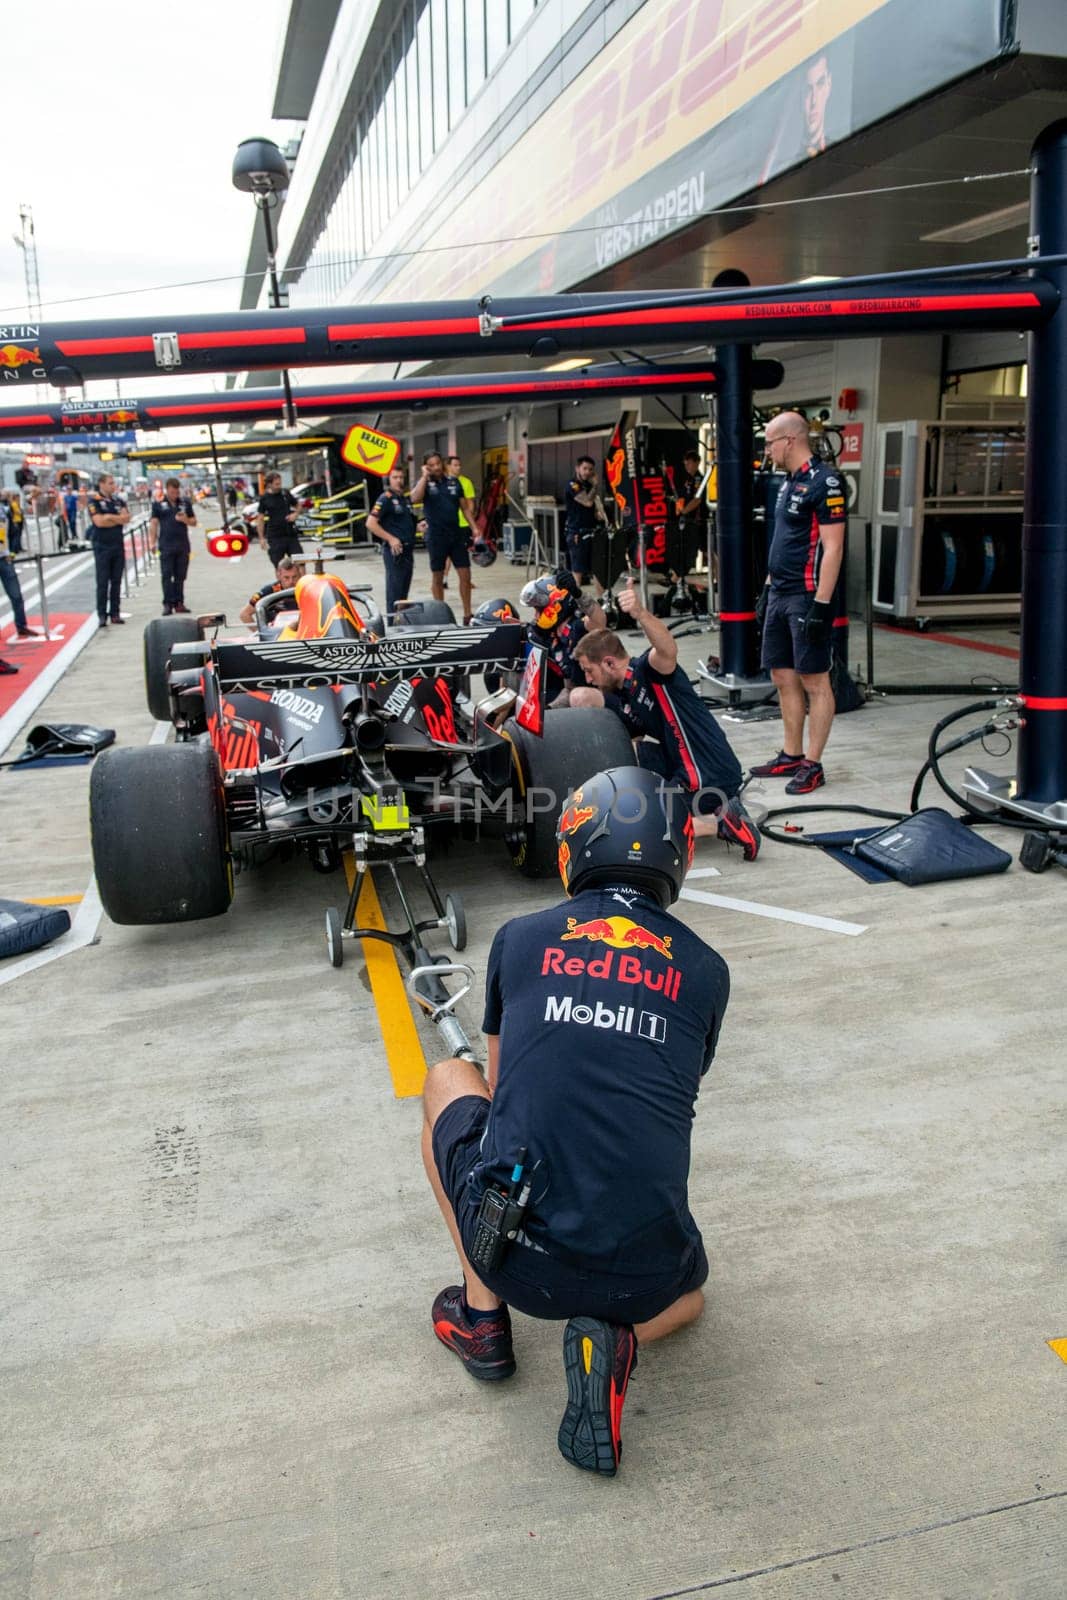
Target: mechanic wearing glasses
x=796, y=605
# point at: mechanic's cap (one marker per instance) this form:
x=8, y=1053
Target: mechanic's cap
x=626, y=826
x=493, y=611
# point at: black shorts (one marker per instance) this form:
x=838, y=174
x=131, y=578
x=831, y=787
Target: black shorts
x=784, y=642
x=531, y=1281
x=283, y=544
x=448, y=545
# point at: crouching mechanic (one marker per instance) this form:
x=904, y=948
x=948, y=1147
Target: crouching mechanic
x=679, y=738
x=602, y=1015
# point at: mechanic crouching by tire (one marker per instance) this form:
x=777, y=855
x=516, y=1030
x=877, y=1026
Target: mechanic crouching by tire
x=564, y=1181
x=679, y=738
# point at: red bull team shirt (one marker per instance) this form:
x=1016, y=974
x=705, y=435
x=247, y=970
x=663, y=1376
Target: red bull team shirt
x=608, y=1011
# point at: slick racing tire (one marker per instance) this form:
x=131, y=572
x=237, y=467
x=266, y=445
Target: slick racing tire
x=158, y=823
x=424, y=614
x=575, y=745
x=161, y=634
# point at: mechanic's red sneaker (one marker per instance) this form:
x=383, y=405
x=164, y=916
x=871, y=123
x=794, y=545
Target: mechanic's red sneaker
x=598, y=1358
x=484, y=1347
x=7, y=669
x=782, y=766
x=808, y=776
x=737, y=827
x=28, y=633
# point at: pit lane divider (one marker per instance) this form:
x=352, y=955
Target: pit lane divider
x=403, y=1047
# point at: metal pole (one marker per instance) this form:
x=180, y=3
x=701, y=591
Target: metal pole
x=46, y=626
x=733, y=453
x=1042, y=761
x=276, y=301
x=868, y=599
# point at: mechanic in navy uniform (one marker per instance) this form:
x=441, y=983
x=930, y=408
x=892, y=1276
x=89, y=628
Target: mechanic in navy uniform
x=392, y=520
x=583, y=510
x=796, y=605
x=442, y=499
x=275, y=515
x=691, y=509
x=108, y=516
x=679, y=737
x=168, y=532
x=286, y=574
x=602, y=1015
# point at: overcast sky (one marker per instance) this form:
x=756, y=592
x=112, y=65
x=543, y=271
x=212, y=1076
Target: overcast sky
x=120, y=125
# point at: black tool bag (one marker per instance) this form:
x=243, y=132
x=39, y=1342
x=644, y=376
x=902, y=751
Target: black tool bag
x=63, y=739
x=931, y=846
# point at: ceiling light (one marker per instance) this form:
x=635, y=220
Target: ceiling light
x=982, y=227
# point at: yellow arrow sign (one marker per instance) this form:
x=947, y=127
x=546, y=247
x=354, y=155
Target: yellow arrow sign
x=373, y=451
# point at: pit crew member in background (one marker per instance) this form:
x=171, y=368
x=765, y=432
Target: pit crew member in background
x=392, y=521
x=602, y=1015
x=275, y=515
x=168, y=532
x=796, y=605
x=108, y=515
x=563, y=616
x=286, y=574
x=657, y=703
x=9, y=582
x=583, y=509
x=442, y=499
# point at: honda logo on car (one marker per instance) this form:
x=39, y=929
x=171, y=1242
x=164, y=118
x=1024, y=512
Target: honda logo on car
x=296, y=705
x=650, y=1025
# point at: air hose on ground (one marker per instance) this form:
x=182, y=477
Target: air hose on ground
x=1005, y=718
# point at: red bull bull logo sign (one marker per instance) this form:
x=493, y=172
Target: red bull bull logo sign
x=20, y=348
x=621, y=961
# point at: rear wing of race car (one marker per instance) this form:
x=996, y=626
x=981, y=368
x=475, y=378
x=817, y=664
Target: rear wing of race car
x=274, y=663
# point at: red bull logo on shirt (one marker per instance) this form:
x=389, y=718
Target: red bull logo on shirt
x=619, y=963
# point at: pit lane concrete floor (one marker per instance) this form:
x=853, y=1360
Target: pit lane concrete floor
x=218, y=1372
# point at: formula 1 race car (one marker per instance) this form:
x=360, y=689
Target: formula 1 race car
x=325, y=730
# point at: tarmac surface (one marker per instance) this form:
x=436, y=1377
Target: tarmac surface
x=218, y=1372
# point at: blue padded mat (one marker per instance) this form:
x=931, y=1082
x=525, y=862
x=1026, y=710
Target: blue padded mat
x=836, y=846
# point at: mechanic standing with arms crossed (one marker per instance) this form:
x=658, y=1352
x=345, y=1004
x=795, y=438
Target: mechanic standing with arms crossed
x=108, y=515
x=168, y=532
x=564, y=1181
x=442, y=500
x=796, y=605
x=392, y=520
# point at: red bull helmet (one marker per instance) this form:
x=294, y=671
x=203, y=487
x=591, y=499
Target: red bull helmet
x=626, y=826
x=490, y=612
x=551, y=601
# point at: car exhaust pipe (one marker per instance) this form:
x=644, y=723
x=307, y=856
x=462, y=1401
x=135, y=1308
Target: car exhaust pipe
x=369, y=733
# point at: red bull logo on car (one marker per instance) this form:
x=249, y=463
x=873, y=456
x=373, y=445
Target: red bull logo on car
x=620, y=962
x=16, y=355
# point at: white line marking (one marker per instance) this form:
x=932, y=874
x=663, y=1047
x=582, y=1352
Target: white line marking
x=44, y=683
x=702, y=872
x=778, y=913
x=83, y=928
x=160, y=732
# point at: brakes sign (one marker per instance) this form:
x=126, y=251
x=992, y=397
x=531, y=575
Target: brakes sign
x=374, y=452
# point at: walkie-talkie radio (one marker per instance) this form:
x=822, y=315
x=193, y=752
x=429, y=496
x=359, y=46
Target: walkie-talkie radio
x=499, y=1219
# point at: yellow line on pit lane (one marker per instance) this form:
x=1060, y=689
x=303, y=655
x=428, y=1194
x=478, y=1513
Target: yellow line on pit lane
x=403, y=1047
x=54, y=899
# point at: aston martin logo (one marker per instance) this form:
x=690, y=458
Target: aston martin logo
x=343, y=655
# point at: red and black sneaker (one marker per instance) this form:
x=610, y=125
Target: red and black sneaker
x=484, y=1347
x=782, y=766
x=809, y=776
x=737, y=827
x=598, y=1358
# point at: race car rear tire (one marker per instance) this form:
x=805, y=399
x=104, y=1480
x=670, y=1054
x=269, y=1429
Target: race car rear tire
x=424, y=614
x=576, y=744
x=159, y=636
x=158, y=822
